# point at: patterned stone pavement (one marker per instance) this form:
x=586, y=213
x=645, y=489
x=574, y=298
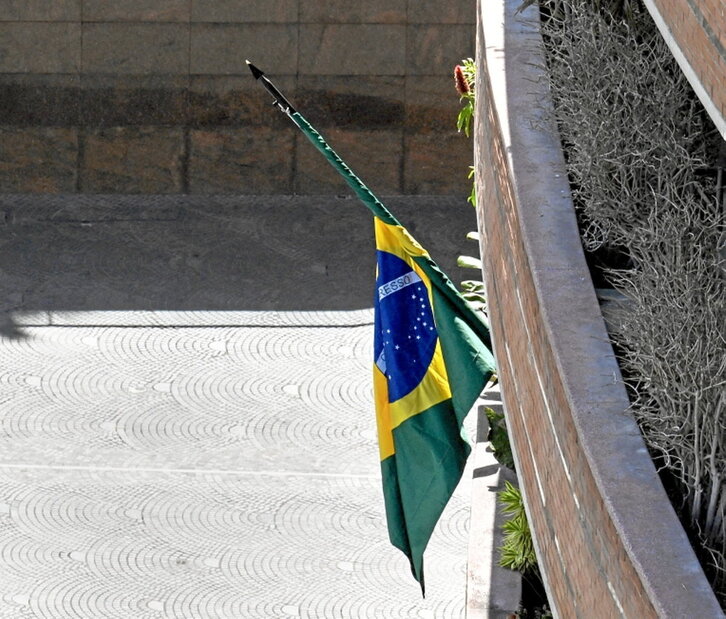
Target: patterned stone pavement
x=216, y=460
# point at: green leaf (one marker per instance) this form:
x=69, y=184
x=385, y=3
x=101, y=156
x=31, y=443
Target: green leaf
x=472, y=195
x=477, y=300
x=469, y=262
x=517, y=551
x=463, y=121
x=473, y=285
x=499, y=438
x=468, y=67
x=511, y=497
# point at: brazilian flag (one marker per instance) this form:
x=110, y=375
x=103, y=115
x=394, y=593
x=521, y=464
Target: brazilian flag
x=431, y=363
x=432, y=359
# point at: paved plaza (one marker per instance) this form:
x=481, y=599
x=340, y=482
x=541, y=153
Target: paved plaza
x=187, y=418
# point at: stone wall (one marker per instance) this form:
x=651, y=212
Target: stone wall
x=153, y=96
x=608, y=541
x=695, y=30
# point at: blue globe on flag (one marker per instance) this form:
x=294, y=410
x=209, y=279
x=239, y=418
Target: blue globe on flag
x=405, y=333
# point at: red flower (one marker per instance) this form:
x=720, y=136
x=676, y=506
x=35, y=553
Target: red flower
x=462, y=86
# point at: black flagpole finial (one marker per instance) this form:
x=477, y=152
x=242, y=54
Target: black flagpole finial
x=255, y=71
x=280, y=101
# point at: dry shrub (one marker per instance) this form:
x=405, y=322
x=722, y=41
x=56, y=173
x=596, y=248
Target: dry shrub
x=636, y=139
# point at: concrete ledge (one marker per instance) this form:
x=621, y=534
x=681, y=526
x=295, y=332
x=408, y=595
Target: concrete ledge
x=607, y=538
x=492, y=592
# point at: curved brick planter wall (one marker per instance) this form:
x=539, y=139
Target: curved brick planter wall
x=608, y=540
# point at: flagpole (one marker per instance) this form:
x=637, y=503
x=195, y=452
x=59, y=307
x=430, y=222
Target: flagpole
x=360, y=189
x=417, y=481
x=475, y=319
x=280, y=101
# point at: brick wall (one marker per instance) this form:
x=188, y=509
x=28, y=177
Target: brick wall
x=153, y=96
x=579, y=549
x=608, y=542
x=696, y=32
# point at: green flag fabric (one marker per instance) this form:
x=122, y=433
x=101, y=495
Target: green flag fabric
x=432, y=359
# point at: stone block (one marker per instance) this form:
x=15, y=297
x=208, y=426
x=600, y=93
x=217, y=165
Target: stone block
x=353, y=12
x=234, y=101
x=358, y=101
x=28, y=100
x=40, y=10
x=27, y=47
x=133, y=160
x=352, y=49
x=221, y=49
x=432, y=103
x=437, y=163
x=135, y=48
x=241, y=161
x=244, y=11
x=136, y=10
x=450, y=12
x=375, y=156
x=118, y=100
x=436, y=49
x=38, y=160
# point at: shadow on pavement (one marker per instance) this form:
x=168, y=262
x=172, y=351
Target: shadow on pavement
x=211, y=253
